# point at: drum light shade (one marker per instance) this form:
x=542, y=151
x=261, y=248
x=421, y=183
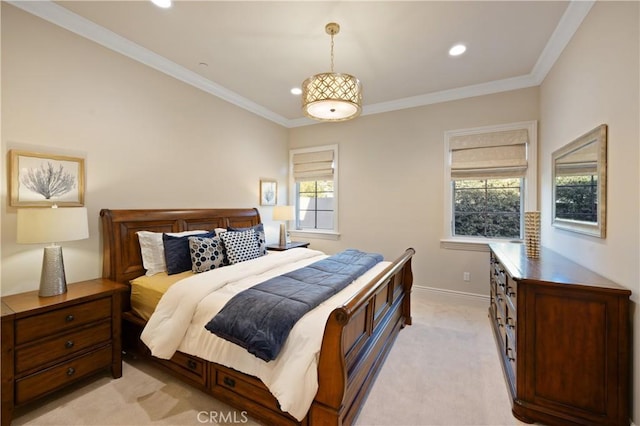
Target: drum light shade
x=332, y=96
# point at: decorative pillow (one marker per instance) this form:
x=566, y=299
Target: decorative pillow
x=240, y=245
x=176, y=252
x=206, y=254
x=262, y=241
x=152, y=249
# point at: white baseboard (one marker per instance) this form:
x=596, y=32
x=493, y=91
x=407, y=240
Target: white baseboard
x=457, y=297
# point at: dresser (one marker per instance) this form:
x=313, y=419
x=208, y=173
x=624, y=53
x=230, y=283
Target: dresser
x=51, y=342
x=563, y=335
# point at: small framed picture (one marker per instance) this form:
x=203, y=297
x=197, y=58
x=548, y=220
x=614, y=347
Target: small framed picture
x=268, y=192
x=45, y=179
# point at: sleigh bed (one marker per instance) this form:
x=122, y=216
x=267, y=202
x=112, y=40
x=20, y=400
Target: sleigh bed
x=358, y=334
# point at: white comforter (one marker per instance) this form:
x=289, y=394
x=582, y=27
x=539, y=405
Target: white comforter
x=179, y=319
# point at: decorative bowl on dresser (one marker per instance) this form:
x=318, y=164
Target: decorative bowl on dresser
x=563, y=333
x=51, y=342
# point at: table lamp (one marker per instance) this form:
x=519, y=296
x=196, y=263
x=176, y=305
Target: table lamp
x=52, y=225
x=283, y=213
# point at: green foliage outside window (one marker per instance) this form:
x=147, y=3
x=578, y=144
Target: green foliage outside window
x=487, y=207
x=577, y=197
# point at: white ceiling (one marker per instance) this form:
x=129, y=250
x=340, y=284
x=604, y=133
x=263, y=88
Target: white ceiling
x=255, y=52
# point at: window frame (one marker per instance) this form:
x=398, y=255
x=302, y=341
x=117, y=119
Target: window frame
x=529, y=189
x=293, y=194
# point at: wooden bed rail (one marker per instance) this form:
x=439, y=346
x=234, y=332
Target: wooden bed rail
x=357, y=338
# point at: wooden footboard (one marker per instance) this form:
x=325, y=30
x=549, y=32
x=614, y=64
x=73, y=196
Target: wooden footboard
x=356, y=341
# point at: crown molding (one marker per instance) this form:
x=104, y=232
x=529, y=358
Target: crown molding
x=68, y=20
x=567, y=27
x=58, y=15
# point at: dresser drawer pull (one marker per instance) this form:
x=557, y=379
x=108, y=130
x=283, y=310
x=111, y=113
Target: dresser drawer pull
x=69, y=344
x=510, y=292
x=192, y=364
x=509, y=352
x=71, y=371
x=69, y=318
x=229, y=382
x=510, y=325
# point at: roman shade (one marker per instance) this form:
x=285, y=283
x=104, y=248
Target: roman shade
x=581, y=162
x=489, y=155
x=316, y=165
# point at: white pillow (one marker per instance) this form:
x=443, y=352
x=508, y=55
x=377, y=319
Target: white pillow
x=152, y=249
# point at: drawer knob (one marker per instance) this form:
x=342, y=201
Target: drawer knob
x=69, y=344
x=229, y=382
x=69, y=318
x=192, y=364
x=71, y=371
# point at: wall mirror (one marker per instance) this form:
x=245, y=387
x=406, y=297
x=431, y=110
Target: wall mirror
x=580, y=184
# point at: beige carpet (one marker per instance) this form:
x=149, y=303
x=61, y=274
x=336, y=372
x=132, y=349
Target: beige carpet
x=445, y=363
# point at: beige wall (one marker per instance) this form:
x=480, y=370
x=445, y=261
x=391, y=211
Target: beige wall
x=153, y=142
x=595, y=81
x=149, y=140
x=391, y=182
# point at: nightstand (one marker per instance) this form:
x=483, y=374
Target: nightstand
x=293, y=244
x=51, y=342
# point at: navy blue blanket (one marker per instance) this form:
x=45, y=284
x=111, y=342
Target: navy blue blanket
x=260, y=318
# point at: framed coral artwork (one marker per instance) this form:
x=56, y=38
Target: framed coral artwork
x=268, y=192
x=45, y=179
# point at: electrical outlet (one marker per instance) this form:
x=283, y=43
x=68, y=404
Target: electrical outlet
x=466, y=276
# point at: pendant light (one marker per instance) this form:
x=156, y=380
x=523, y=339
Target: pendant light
x=332, y=96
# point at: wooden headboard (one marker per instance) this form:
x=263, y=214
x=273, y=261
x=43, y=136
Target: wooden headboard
x=121, y=258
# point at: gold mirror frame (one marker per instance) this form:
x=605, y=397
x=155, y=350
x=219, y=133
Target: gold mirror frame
x=597, y=136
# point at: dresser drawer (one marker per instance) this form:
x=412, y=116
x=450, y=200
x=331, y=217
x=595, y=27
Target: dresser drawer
x=42, y=325
x=38, y=384
x=67, y=344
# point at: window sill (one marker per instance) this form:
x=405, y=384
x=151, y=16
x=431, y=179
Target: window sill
x=321, y=235
x=472, y=244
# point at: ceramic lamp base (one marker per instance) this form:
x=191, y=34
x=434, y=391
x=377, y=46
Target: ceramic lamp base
x=53, y=280
x=283, y=235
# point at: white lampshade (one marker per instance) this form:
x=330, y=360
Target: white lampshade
x=283, y=213
x=52, y=225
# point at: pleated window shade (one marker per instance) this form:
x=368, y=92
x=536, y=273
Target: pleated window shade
x=317, y=165
x=583, y=161
x=489, y=155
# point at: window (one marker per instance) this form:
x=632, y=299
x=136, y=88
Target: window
x=316, y=204
x=314, y=182
x=490, y=181
x=487, y=207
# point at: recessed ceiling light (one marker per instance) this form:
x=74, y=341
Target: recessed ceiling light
x=296, y=91
x=457, y=50
x=162, y=3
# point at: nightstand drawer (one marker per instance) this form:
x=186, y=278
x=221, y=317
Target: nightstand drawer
x=53, y=322
x=64, y=345
x=53, y=378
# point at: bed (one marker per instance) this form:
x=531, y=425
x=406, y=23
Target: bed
x=358, y=333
